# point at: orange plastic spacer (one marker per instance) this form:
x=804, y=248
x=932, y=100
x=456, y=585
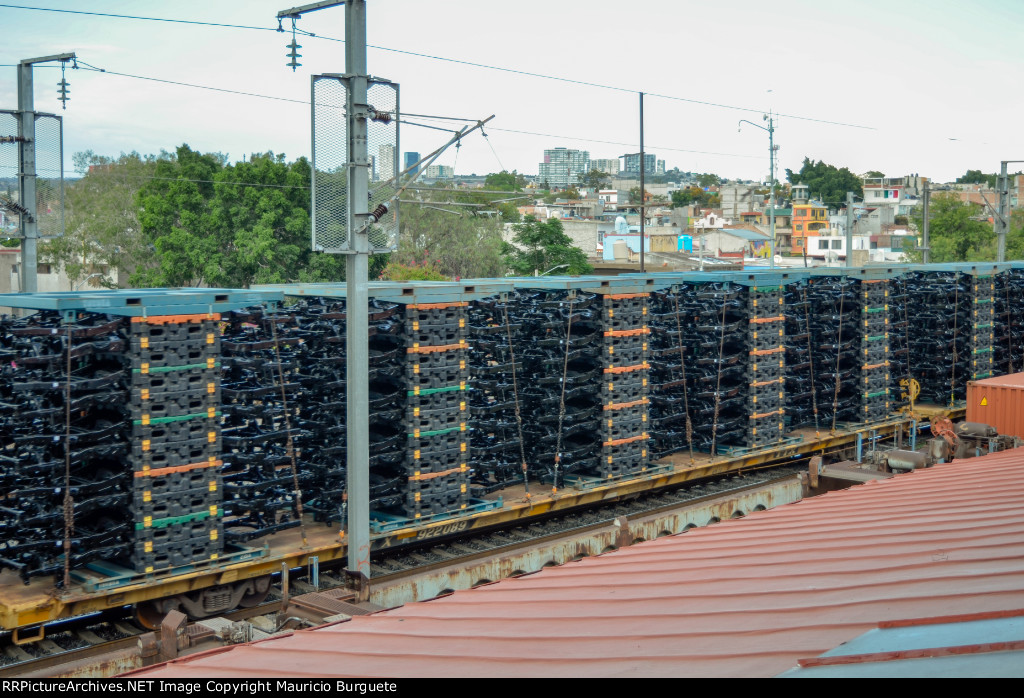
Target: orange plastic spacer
x=627, y=369
x=767, y=414
x=430, y=476
x=437, y=306
x=762, y=352
x=179, y=469
x=628, y=440
x=435, y=349
x=619, y=296
x=175, y=319
x=758, y=385
x=624, y=405
x=760, y=320
x=627, y=333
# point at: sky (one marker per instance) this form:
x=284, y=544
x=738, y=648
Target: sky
x=926, y=87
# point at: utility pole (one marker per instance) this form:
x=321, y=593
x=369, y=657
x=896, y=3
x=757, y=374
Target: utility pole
x=27, y=169
x=357, y=418
x=771, y=177
x=1002, y=218
x=926, y=250
x=643, y=198
x=849, y=228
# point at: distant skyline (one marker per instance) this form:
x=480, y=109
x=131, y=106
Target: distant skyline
x=924, y=87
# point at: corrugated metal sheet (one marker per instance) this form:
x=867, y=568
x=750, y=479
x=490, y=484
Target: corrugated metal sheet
x=998, y=402
x=745, y=597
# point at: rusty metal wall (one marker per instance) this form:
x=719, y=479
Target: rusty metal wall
x=557, y=550
x=998, y=402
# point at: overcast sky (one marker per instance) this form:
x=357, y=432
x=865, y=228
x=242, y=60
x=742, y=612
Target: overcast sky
x=926, y=87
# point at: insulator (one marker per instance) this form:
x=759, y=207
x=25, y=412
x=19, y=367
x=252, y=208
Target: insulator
x=381, y=116
x=293, y=55
x=378, y=213
x=63, y=92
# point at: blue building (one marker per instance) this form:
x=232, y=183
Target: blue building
x=410, y=160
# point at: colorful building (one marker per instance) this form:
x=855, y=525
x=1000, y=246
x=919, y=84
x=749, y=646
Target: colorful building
x=809, y=220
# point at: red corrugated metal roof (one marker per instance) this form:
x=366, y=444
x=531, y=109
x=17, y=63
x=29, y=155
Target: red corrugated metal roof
x=745, y=597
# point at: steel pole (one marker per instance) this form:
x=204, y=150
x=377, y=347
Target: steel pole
x=849, y=228
x=27, y=178
x=926, y=252
x=1003, y=219
x=643, y=198
x=771, y=178
x=357, y=300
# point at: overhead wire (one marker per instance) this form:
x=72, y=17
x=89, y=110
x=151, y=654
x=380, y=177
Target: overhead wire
x=514, y=71
x=179, y=83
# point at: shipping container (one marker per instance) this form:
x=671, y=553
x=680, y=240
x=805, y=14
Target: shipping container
x=998, y=402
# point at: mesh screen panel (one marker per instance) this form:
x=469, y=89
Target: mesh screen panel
x=382, y=144
x=330, y=157
x=49, y=175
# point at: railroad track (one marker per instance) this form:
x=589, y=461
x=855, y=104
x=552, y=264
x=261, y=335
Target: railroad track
x=73, y=642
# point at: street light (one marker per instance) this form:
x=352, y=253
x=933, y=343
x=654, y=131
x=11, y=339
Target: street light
x=771, y=165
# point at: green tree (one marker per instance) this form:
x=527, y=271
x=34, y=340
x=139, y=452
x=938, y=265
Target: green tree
x=708, y=180
x=230, y=225
x=696, y=196
x=540, y=246
x=955, y=234
x=978, y=177
x=826, y=182
x=451, y=240
x=1015, y=236
x=875, y=174
x=505, y=181
x=595, y=179
x=102, y=229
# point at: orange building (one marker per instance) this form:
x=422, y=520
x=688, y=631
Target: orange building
x=809, y=220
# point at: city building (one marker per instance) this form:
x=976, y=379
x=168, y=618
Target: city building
x=608, y=166
x=810, y=220
x=439, y=172
x=410, y=160
x=387, y=161
x=562, y=167
x=898, y=193
x=631, y=164
x=660, y=168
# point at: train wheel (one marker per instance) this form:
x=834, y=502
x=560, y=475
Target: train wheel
x=149, y=614
x=258, y=594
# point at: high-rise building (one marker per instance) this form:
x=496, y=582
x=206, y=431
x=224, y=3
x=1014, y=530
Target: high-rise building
x=410, y=160
x=660, y=169
x=562, y=167
x=631, y=163
x=609, y=166
x=387, y=160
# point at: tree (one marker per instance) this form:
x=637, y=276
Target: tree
x=827, y=182
x=954, y=232
x=505, y=181
x=978, y=177
x=595, y=179
x=230, y=225
x=708, y=180
x=874, y=174
x=453, y=241
x=102, y=228
x=697, y=196
x=540, y=246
